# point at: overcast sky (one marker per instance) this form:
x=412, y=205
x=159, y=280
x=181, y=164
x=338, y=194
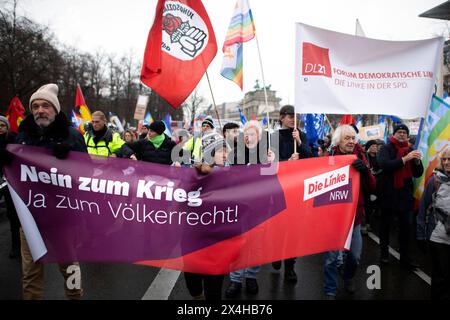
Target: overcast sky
x=118, y=26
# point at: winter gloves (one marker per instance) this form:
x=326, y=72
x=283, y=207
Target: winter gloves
x=359, y=165
x=60, y=150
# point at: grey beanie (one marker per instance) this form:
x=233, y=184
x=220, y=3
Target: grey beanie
x=5, y=121
x=48, y=92
x=212, y=142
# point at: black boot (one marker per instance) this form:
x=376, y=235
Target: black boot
x=233, y=290
x=276, y=265
x=251, y=285
x=289, y=275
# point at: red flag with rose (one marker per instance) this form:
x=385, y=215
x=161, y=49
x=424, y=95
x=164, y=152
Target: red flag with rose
x=180, y=46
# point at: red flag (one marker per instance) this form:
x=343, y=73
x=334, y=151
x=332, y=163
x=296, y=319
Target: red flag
x=348, y=119
x=14, y=114
x=180, y=46
x=82, y=111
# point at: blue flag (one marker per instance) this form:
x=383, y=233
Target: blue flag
x=265, y=121
x=167, y=121
x=242, y=116
x=315, y=127
x=395, y=119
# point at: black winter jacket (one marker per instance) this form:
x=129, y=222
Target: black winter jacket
x=286, y=145
x=146, y=151
x=391, y=198
x=60, y=131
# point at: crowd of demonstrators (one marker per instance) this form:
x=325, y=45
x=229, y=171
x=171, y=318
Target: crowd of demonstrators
x=284, y=150
x=386, y=173
x=47, y=127
x=7, y=137
x=156, y=148
x=344, y=142
x=399, y=164
x=433, y=226
x=100, y=139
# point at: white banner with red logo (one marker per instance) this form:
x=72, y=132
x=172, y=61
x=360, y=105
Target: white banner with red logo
x=342, y=74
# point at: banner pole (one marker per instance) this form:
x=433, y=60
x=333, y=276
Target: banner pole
x=295, y=127
x=214, y=101
x=264, y=86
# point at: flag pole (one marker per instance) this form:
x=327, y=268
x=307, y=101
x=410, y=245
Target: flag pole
x=329, y=123
x=214, y=101
x=264, y=85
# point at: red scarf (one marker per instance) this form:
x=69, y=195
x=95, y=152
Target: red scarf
x=402, y=149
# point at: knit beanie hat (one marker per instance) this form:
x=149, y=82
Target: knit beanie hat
x=158, y=126
x=370, y=143
x=48, y=92
x=401, y=126
x=209, y=121
x=212, y=141
x=5, y=121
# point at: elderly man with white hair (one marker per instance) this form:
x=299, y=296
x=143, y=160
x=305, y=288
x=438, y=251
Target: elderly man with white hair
x=344, y=143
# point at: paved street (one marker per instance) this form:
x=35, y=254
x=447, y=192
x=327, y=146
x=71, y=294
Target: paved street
x=134, y=282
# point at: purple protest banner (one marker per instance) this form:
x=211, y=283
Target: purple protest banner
x=117, y=210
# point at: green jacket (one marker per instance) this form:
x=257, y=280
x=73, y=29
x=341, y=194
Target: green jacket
x=109, y=144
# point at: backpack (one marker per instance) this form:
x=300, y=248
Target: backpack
x=440, y=205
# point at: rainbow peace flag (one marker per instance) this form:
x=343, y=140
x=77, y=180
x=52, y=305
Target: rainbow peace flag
x=241, y=29
x=435, y=136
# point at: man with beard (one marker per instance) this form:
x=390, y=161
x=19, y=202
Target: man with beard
x=46, y=127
